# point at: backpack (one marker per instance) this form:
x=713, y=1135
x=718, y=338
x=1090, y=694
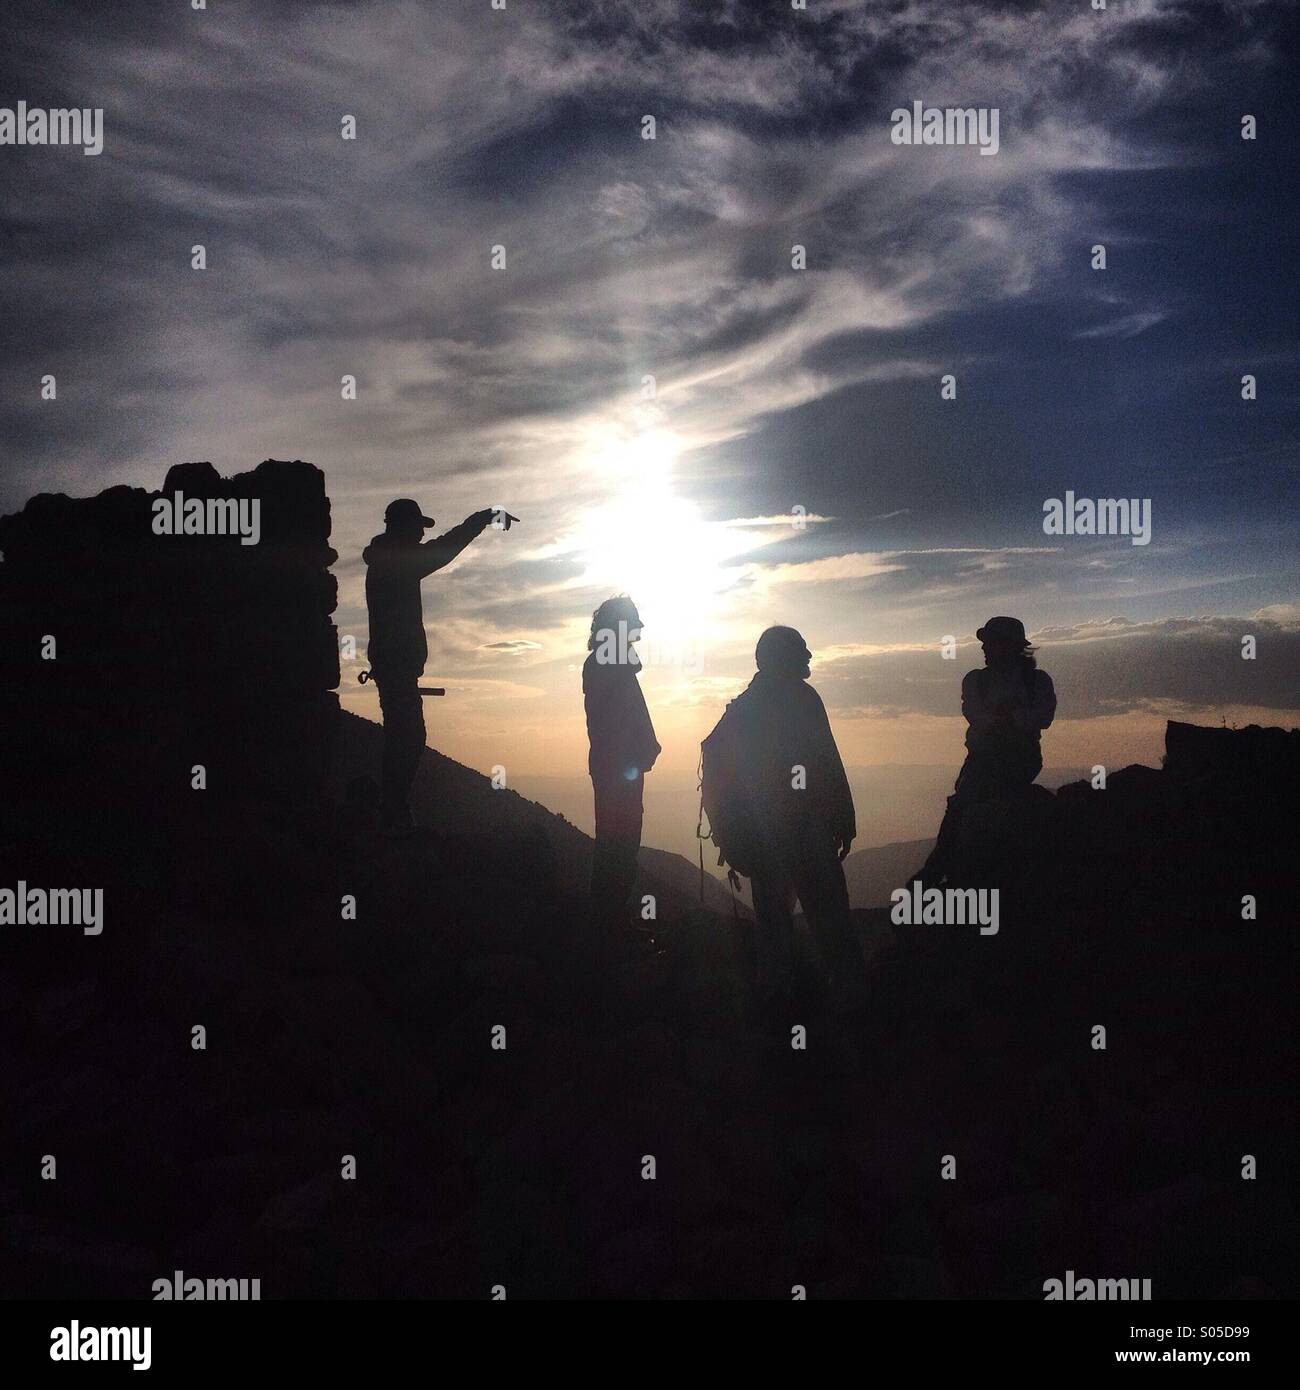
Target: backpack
x=724, y=802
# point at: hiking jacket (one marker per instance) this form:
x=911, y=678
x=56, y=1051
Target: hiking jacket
x=618, y=723
x=779, y=724
x=393, y=574
x=1029, y=703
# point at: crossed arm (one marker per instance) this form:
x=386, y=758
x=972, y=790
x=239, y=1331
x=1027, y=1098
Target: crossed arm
x=1038, y=713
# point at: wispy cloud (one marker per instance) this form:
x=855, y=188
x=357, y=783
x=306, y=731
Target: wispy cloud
x=629, y=259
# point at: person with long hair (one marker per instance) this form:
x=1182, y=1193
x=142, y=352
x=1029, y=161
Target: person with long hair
x=623, y=750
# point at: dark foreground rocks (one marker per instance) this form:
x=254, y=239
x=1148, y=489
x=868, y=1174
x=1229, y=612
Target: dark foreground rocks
x=340, y=1040
x=522, y=1166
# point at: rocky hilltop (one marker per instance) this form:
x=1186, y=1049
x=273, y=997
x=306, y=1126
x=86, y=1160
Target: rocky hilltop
x=350, y=990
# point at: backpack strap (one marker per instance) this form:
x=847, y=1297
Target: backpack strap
x=699, y=823
x=733, y=879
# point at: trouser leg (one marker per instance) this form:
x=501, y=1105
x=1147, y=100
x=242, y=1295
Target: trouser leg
x=824, y=897
x=986, y=775
x=619, y=814
x=941, y=855
x=975, y=782
x=773, y=933
x=404, y=741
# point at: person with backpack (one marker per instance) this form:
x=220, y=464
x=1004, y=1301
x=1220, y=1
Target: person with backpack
x=1007, y=704
x=623, y=750
x=780, y=811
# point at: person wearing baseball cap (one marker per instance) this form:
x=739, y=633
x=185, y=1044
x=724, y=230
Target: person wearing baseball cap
x=1007, y=704
x=396, y=561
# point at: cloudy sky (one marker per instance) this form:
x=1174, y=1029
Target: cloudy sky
x=796, y=462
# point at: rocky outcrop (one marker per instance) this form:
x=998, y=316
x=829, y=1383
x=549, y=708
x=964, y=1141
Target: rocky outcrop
x=133, y=656
x=1266, y=755
x=1188, y=841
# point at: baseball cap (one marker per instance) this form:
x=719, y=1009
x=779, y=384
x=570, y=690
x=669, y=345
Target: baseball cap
x=406, y=509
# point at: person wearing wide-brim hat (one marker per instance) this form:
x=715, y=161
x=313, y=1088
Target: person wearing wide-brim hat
x=1007, y=704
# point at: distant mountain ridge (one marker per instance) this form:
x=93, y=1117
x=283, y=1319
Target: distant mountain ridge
x=873, y=874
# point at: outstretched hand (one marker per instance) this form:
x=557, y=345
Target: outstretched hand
x=496, y=517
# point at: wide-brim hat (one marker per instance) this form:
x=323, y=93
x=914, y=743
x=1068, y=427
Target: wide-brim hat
x=1003, y=630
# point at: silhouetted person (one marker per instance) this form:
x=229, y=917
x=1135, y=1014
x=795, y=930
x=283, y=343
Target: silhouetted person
x=397, y=560
x=788, y=813
x=1007, y=703
x=623, y=750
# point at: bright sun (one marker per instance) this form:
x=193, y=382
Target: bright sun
x=652, y=544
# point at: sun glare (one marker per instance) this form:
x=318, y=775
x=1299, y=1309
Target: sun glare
x=654, y=545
